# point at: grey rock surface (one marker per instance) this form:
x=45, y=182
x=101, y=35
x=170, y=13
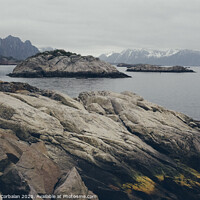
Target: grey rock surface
x=123, y=146
x=59, y=63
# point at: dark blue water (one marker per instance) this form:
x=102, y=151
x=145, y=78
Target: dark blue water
x=176, y=91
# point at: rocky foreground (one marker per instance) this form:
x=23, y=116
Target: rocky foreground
x=155, y=68
x=59, y=63
x=115, y=146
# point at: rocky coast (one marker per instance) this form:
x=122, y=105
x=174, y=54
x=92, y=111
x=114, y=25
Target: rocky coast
x=60, y=63
x=117, y=146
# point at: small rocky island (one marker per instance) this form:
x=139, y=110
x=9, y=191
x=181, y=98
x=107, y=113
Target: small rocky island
x=115, y=146
x=60, y=63
x=126, y=65
x=156, y=68
x=8, y=61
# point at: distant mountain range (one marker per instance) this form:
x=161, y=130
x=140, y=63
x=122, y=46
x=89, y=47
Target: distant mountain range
x=156, y=57
x=14, y=47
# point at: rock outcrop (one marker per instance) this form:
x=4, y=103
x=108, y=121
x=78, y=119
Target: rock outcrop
x=14, y=47
x=59, y=63
x=155, y=68
x=122, y=146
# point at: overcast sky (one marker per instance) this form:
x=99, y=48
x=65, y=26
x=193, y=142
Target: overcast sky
x=100, y=26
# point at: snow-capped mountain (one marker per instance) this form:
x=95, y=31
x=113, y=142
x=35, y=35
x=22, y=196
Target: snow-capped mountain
x=43, y=49
x=158, y=57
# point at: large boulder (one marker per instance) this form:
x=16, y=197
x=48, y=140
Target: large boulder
x=59, y=63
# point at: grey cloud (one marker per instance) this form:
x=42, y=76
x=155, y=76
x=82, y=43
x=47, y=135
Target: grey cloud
x=98, y=26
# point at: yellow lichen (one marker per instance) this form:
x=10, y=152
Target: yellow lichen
x=144, y=184
x=127, y=186
x=195, y=173
x=190, y=170
x=183, y=181
x=160, y=177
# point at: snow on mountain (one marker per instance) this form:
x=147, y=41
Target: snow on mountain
x=150, y=56
x=43, y=49
x=159, y=54
x=109, y=54
x=149, y=52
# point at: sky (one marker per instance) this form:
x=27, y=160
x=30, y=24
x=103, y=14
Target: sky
x=100, y=26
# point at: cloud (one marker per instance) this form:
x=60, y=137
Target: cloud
x=94, y=26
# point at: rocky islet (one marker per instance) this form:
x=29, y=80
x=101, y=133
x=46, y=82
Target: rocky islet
x=155, y=68
x=59, y=63
x=8, y=61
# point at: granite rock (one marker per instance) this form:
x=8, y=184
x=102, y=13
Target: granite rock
x=59, y=63
x=123, y=146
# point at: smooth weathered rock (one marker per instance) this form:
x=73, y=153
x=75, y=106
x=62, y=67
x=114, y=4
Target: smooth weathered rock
x=59, y=63
x=96, y=108
x=122, y=146
x=73, y=185
x=155, y=68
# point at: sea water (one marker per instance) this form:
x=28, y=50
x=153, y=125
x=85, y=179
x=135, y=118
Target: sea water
x=175, y=91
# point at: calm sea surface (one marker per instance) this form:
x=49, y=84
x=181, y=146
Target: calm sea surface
x=176, y=91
